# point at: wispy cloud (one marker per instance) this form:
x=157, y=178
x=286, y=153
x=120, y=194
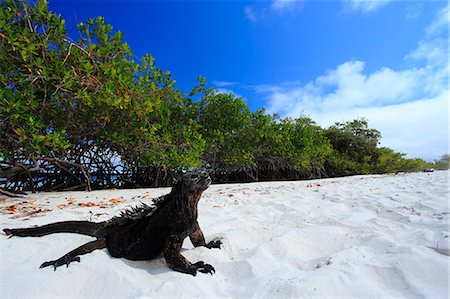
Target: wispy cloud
x=228, y=91
x=365, y=6
x=280, y=5
x=276, y=7
x=440, y=23
x=250, y=14
x=224, y=83
x=408, y=106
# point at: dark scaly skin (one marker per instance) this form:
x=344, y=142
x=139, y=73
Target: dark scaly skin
x=144, y=232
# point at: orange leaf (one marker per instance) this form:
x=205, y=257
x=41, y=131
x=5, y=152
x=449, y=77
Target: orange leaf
x=88, y=204
x=10, y=208
x=116, y=200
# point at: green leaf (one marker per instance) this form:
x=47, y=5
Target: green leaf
x=42, y=5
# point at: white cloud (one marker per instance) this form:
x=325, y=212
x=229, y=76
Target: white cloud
x=418, y=128
x=348, y=86
x=228, y=91
x=441, y=22
x=409, y=106
x=275, y=7
x=250, y=13
x=280, y=5
x=365, y=5
x=224, y=83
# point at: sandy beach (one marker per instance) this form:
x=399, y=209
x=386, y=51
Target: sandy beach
x=374, y=236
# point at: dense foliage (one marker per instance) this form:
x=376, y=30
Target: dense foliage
x=76, y=113
x=443, y=163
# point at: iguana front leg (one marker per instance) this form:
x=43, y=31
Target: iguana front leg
x=198, y=239
x=178, y=262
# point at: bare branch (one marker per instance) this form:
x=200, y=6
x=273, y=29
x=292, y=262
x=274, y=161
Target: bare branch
x=9, y=194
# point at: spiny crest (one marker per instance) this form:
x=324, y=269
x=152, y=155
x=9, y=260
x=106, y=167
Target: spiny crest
x=140, y=211
x=137, y=212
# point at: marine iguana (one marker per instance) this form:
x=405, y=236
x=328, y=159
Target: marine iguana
x=143, y=232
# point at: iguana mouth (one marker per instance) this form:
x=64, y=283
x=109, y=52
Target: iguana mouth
x=199, y=178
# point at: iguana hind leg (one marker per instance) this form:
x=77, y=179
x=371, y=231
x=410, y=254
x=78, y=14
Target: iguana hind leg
x=74, y=254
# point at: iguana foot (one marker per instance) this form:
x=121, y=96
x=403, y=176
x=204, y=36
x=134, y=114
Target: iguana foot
x=201, y=267
x=214, y=244
x=59, y=262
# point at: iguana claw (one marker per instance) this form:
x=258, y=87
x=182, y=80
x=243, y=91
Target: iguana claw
x=62, y=261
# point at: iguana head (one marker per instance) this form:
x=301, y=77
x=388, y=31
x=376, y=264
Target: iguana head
x=196, y=180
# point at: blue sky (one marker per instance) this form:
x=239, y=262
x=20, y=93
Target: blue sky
x=337, y=60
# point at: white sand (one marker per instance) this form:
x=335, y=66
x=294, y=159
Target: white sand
x=363, y=236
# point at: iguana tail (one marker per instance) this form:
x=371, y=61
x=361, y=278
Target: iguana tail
x=93, y=229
